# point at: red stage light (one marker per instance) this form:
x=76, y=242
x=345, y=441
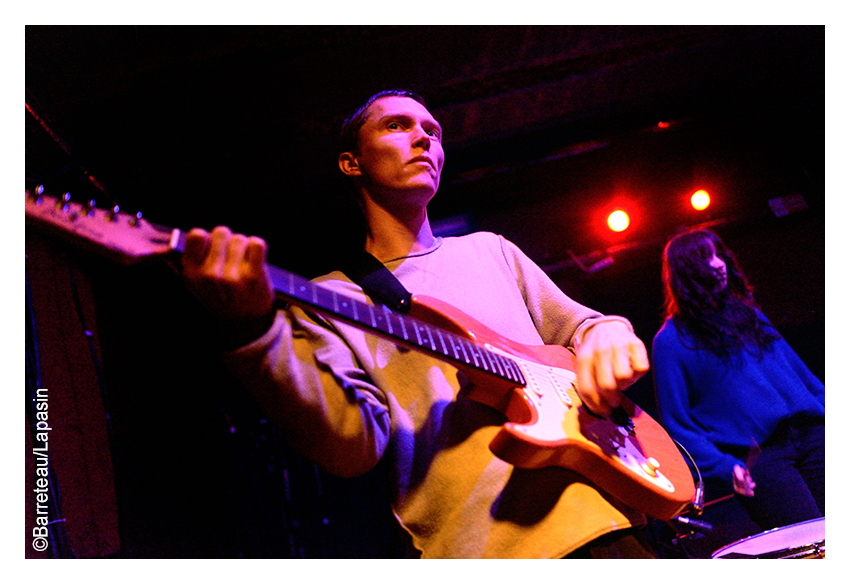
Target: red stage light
x=618, y=221
x=700, y=200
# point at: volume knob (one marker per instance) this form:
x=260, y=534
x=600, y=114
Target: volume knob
x=650, y=467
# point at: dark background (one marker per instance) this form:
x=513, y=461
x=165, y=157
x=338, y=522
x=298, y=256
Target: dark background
x=546, y=128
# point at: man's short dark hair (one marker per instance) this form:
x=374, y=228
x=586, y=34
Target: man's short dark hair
x=351, y=127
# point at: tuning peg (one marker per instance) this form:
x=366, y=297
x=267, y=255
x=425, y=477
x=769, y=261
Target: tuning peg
x=112, y=214
x=64, y=203
x=90, y=206
x=136, y=219
x=36, y=195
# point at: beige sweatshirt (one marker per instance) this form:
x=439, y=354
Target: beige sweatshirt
x=345, y=398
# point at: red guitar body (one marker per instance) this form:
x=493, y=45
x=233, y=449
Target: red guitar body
x=548, y=426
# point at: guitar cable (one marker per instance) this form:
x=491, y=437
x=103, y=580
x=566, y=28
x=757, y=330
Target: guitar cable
x=684, y=529
x=698, y=501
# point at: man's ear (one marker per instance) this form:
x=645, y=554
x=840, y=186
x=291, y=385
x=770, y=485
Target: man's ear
x=348, y=164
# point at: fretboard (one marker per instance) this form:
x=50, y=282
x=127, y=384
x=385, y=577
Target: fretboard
x=382, y=321
x=403, y=329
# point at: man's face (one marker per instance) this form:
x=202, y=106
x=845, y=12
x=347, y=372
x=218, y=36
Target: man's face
x=400, y=149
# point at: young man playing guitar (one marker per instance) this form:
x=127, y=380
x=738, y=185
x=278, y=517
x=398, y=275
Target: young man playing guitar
x=346, y=399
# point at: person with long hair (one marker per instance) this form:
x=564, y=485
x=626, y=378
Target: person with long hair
x=732, y=391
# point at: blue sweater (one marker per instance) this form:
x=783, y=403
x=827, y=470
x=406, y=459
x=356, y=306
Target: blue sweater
x=714, y=406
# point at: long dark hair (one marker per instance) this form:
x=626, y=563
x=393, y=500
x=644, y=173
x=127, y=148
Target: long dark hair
x=722, y=320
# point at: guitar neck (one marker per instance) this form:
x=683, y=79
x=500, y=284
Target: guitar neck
x=382, y=321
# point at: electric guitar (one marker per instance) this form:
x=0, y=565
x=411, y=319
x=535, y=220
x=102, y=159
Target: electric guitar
x=631, y=458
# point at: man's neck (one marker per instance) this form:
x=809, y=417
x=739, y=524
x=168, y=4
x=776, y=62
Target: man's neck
x=395, y=235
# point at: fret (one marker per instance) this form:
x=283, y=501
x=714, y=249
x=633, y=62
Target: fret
x=491, y=359
x=473, y=358
x=403, y=321
x=425, y=340
x=418, y=336
x=382, y=320
x=473, y=353
x=291, y=287
x=499, y=366
x=445, y=350
x=463, y=350
x=476, y=356
x=452, y=338
x=430, y=338
x=484, y=359
x=485, y=362
x=506, y=368
x=518, y=376
x=515, y=370
x=457, y=348
x=389, y=320
x=509, y=371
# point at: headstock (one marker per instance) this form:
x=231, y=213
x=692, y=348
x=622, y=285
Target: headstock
x=110, y=233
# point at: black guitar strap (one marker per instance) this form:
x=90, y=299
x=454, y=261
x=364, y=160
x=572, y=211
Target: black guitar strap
x=377, y=282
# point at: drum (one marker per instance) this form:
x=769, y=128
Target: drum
x=801, y=541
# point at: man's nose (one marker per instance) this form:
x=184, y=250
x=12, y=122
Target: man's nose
x=421, y=139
